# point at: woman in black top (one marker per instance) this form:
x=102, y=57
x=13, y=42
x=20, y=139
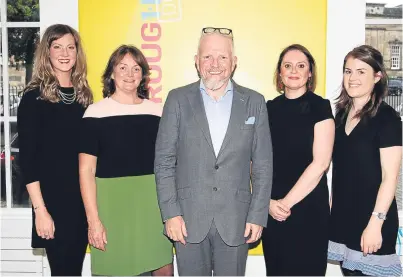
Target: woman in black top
x=302, y=129
x=49, y=117
x=366, y=161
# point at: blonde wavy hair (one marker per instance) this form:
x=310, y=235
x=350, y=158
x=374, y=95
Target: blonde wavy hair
x=44, y=77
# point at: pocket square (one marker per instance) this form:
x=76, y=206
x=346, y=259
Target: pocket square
x=251, y=120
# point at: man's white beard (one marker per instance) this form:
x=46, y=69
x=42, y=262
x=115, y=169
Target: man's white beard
x=214, y=84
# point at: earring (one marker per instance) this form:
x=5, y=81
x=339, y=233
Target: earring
x=309, y=83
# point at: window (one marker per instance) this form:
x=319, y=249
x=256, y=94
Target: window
x=395, y=56
x=19, y=21
x=384, y=33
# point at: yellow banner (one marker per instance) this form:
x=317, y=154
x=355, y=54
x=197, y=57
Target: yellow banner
x=167, y=31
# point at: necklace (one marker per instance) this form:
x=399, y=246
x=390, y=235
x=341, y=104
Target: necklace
x=67, y=98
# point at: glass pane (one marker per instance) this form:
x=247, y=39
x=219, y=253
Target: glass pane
x=20, y=194
x=3, y=167
x=23, y=10
x=21, y=43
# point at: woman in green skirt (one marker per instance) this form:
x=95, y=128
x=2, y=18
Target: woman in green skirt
x=116, y=173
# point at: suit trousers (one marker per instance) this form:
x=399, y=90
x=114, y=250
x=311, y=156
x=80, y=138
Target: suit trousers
x=211, y=255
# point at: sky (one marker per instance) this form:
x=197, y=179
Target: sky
x=389, y=3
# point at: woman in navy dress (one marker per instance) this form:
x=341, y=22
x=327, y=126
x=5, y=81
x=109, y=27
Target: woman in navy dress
x=49, y=120
x=302, y=129
x=366, y=161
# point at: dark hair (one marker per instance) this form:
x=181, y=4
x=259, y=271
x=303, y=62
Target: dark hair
x=117, y=55
x=311, y=84
x=373, y=58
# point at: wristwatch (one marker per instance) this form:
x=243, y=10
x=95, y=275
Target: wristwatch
x=379, y=215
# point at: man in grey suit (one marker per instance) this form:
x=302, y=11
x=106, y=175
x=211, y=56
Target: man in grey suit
x=213, y=139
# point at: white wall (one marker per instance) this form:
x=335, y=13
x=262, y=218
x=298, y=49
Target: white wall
x=58, y=11
x=345, y=30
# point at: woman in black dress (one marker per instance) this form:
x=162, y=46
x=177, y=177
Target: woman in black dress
x=366, y=162
x=302, y=128
x=49, y=117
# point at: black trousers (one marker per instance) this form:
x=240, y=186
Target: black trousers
x=66, y=258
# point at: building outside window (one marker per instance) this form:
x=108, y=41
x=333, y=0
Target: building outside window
x=383, y=30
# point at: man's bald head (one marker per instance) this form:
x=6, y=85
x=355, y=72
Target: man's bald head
x=215, y=60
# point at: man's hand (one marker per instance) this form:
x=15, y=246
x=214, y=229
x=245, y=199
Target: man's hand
x=176, y=229
x=256, y=232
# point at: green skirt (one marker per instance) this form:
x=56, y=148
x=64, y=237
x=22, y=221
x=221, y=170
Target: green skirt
x=129, y=211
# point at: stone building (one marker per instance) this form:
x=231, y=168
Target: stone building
x=384, y=32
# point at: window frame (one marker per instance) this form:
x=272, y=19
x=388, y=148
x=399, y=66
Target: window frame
x=47, y=17
x=7, y=119
x=386, y=21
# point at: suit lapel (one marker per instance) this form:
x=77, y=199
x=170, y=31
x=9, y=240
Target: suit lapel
x=196, y=102
x=237, y=118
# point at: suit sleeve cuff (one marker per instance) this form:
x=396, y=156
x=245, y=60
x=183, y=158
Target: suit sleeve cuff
x=170, y=212
x=258, y=219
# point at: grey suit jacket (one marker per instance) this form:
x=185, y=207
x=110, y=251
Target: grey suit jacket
x=194, y=183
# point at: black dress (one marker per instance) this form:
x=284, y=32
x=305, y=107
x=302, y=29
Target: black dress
x=49, y=135
x=298, y=245
x=356, y=179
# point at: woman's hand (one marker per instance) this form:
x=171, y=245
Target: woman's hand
x=371, y=239
x=97, y=235
x=279, y=211
x=45, y=227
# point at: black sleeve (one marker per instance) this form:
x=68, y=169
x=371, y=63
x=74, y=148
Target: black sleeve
x=323, y=110
x=390, y=129
x=29, y=127
x=268, y=107
x=89, y=141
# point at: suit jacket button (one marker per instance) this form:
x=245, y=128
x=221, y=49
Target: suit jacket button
x=216, y=167
x=215, y=189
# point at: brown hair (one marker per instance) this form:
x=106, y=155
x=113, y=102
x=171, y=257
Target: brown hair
x=311, y=84
x=44, y=76
x=373, y=58
x=117, y=55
